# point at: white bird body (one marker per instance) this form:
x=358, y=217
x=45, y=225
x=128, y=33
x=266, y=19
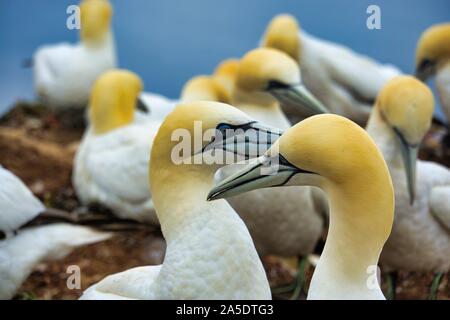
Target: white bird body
x=420, y=238
x=210, y=254
x=346, y=82
x=21, y=252
x=189, y=271
x=64, y=73
x=443, y=86
x=112, y=169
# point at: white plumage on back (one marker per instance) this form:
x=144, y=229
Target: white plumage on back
x=112, y=169
x=20, y=253
x=344, y=81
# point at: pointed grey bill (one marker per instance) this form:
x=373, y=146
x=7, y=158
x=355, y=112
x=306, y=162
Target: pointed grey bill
x=249, y=140
x=262, y=172
x=298, y=96
x=409, y=155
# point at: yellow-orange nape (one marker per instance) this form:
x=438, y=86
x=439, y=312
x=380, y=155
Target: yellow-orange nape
x=113, y=100
x=282, y=33
x=407, y=105
x=433, y=50
x=95, y=19
x=225, y=73
x=204, y=88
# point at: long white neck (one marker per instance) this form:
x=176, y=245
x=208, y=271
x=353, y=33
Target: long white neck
x=361, y=216
x=261, y=107
x=210, y=253
x=385, y=139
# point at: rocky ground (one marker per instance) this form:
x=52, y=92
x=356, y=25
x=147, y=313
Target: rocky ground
x=39, y=146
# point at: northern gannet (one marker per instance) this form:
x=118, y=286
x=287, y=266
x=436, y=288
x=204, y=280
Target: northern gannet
x=111, y=164
x=433, y=59
x=64, y=73
x=336, y=155
x=266, y=78
x=420, y=239
x=346, y=82
x=22, y=249
x=210, y=254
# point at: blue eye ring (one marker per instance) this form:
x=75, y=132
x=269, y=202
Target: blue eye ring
x=224, y=126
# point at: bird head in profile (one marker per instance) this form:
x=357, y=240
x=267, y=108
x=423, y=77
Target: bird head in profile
x=433, y=50
x=407, y=105
x=266, y=74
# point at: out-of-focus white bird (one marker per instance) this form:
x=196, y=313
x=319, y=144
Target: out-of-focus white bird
x=22, y=249
x=64, y=73
x=335, y=154
x=111, y=164
x=210, y=254
x=346, y=82
x=433, y=59
x=420, y=239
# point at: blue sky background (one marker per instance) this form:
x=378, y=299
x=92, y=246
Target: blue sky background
x=169, y=41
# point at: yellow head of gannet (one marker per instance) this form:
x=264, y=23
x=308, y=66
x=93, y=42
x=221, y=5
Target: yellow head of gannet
x=113, y=100
x=433, y=50
x=204, y=88
x=95, y=20
x=407, y=105
x=195, y=137
x=282, y=33
x=266, y=75
x=335, y=154
x=225, y=74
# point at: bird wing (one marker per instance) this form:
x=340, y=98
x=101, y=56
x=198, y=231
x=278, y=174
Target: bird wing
x=135, y=283
x=440, y=205
x=49, y=61
x=21, y=253
x=118, y=162
x=439, y=200
x=362, y=76
x=17, y=204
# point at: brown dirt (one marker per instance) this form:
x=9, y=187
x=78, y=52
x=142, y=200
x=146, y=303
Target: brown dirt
x=39, y=147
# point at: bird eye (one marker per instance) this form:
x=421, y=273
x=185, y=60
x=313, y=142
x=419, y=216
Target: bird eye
x=426, y=64
x=224, y=126
x=275, y=84
x=2, y=235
